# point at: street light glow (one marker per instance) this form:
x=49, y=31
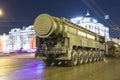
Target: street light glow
x=1, y=13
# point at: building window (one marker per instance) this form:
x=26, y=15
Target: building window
x=89, y=27
x=78, y=22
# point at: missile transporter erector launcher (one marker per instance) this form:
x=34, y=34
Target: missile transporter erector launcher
x=58, y=40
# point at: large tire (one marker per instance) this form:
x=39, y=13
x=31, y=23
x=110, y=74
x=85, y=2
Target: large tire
x=74, y=59
x=101, y=56
x=86, y=57
x=94, y=56
x=97, y=55
x=80, y=57
x=90, y=56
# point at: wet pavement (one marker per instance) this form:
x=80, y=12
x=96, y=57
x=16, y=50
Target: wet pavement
x=27, y=68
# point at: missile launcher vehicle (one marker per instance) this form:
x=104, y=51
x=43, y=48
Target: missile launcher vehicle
x=60, y=41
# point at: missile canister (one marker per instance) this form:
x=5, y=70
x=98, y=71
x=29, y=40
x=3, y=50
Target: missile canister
x=46, y=25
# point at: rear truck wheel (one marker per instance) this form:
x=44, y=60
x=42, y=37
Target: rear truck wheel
x=74, y=59
x=86, y=56
x=98, y=55
x=90, y=58
x=102, y=55
x=80, y=57
x=95, y=56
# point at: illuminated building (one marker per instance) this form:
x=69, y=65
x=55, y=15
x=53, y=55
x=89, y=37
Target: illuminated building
x=1, y=44
x=4, y=43
x=22, y=39
x=18, y=40
x=92, y=24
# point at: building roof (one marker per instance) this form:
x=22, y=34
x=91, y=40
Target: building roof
x=88, y=18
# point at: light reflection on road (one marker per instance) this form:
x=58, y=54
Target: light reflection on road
x=32, y=69
x=21, y=69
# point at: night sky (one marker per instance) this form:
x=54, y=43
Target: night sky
x=19, y=13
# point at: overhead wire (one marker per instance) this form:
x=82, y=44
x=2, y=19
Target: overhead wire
x=111, y=22
x=100, y=13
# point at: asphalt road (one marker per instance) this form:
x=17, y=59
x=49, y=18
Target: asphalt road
x=25, y=67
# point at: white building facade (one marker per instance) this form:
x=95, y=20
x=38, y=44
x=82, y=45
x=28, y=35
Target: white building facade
x=91, y=24
x=4, y=43
x=22, y=38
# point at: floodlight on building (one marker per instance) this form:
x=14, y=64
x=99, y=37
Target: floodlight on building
x=77, y=18
x=95, y=21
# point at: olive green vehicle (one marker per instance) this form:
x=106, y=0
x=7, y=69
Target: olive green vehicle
x=113, y=49
x=60, y=41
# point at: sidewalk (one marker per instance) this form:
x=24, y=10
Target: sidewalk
x=4, y=54
x=12, y=54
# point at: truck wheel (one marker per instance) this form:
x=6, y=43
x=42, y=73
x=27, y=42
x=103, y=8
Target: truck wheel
x=74, y=59
x=90, y=58
x=86, y=57
x=80, y=57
